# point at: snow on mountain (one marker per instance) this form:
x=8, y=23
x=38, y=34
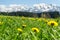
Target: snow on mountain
x=18, y=7
x=12, y=8
x=44, y=7
x=37, y=8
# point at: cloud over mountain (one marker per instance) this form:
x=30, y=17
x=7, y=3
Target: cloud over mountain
x=35, y=8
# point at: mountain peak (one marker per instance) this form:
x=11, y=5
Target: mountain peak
x=35, y=8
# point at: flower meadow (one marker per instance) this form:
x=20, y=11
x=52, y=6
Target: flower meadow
x=27, y=28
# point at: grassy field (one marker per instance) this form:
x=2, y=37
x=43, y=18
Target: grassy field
x=26, y=28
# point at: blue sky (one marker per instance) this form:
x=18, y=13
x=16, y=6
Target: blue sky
x=29, y=2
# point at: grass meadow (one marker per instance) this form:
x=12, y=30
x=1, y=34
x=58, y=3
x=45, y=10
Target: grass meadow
x=27, y=28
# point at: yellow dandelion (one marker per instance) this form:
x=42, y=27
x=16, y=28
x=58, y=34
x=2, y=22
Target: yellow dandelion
x=20, y=30
x=52, y=23
x=1, y=23
x=35, y=29
x=23, y=25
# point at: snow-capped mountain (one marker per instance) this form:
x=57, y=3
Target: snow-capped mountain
x=37, y=8
x=44, y=7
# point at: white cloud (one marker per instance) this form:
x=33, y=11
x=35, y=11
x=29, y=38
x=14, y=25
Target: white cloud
x=35, y=8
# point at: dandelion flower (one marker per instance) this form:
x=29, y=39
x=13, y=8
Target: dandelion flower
x=1, y=23
x=24, y=26
x=35, y=29
x=52, y=23
x=20, y=30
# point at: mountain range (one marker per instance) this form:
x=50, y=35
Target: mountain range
x=36, y=8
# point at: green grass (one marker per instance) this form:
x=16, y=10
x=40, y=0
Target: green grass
x=8, y=29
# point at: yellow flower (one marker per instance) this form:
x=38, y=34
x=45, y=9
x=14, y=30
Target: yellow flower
x=20, y=30
x=35, y=29
x=1, y=23
x=24, y=26
x=52, y=23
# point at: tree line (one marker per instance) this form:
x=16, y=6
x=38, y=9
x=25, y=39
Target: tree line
x=31, y=14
